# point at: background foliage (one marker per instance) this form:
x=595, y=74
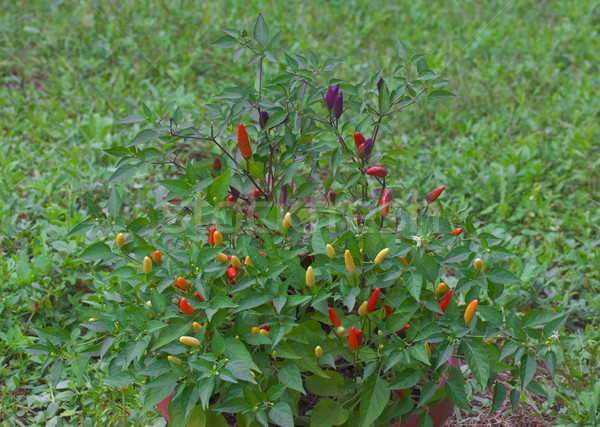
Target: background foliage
x=519, y=147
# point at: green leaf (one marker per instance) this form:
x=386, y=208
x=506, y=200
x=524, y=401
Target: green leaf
x=328, y=413
x=527, y=370
x=427, y=392
x=121, y=379
x=96, y=252
x=374, y=397
x=414, y=283
x=455, y=389
x=225, y=42
x=236, y=348
x=220, y=186
x=537, y=318
x=406, y=379
x=458, y=254
x=158, y=390
x=332, y=386
x=133, y=118
x=177, y=328
x=123, y=172
x=402, y=50
x=502, y=276
x=550, y=360
x=439, y=94
x=428, y=266
x=281, y=414
x=276, y=119
x=114, y=203
x=261, y=31
x=477, y=360
x=499, y=397
x=289, y=375
x=143, y=137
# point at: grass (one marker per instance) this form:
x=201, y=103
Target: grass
x=520, y=145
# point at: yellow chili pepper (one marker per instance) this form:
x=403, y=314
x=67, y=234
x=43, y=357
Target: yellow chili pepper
x=120, y=240
x=381, y=256
x=287, y=221
x=330, y=251
x=174, y=359
x=191, y=341
x=470, y=311
x=218, y=238
x=310, y=277
x=221, y=257
x=362, y=310
x=349, y=262
x=147, y=265
x=318, y=351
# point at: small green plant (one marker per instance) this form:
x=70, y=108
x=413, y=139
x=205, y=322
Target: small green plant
x=298, y=283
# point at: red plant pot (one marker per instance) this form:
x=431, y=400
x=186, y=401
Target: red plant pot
x=439, y=413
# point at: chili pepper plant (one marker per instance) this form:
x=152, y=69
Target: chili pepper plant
x=298, y=282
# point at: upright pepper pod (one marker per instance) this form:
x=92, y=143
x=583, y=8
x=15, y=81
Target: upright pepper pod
x=352, y=339
x=388, y=310
x=196, y=326
x=335, y=320
x=330, y=251
x=441, y=289
x=310, y=277
x=340, y=331
x=218, y=238
x=318, y=351
x=147, y=265
x=359, y=139
x=368, y=147
x=287, y=220
x=373, y=300
x=470, y=311
x=477, y=264
x=380, y=84
x=349, y=262
x=174, y=359
x=338, y=106
x=362, y=310
x=263, y=118
x=444, y=303
x=185, y=307
x=197, y=295
x=156, y=257
x=244, y=142
x=331, y=95
x=216, y=166
x=120, y=240
x=211, y=236
x=221, y=257
x=283, y=195
x=359, y=336
x=385, y=201
x=381, y=256
x=434, y=194
x=457, y=231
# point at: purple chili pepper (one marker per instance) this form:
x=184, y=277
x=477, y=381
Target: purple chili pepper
x=379, y=84
x=331, y=94
x=263, y=119
x=283, y=196
x=368, y=147
x=338, y=106
x=234, y=192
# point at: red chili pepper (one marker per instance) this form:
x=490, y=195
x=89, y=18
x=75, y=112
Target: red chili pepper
x=230, y=201
x=266, y=327
x=335, y=320
x=435, y=194
x=359, y=139
x=444, y=303
x=231, y=272
x=457, y=231
x=406, y=327
x=256, y=193
x=359, y=336
x=379, y=171
x=404, y=259
x=352, y=339
x=156, y=257
x=211, y=236
x=176, y=285
x=388, y=310
x=197, y=295
x=186, y=307
x=216, y=166
x=244, y=142
x=373, y=300
x=255, y=216
x=399, y=393
x=385, y=201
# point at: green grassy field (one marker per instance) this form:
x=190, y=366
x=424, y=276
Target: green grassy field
x=519, y=147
